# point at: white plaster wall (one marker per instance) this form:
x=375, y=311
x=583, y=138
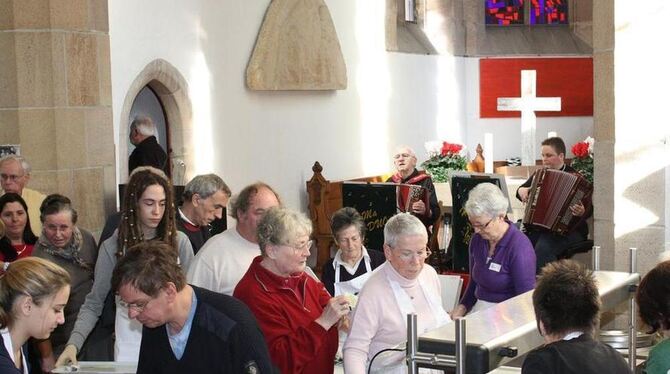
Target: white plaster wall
x=507, y=131
x=276, y=136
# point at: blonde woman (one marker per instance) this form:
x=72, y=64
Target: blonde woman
x=33, y=294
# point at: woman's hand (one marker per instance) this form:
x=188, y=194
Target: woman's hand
x=459, y=311
x=336, y=308
x=68, y=357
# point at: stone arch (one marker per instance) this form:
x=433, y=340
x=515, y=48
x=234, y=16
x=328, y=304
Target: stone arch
x=172, y=90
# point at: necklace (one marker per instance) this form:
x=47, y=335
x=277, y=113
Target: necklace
x=18, y=252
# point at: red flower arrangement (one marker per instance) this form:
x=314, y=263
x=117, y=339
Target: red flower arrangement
x=583, y=161
x=449, y=149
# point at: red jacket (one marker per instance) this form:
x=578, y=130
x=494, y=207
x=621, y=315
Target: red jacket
x=297, y=344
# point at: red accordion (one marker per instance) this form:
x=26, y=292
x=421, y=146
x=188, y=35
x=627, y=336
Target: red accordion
x=551, y=195
x=408, y=194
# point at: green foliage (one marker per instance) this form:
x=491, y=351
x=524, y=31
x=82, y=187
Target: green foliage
x=441, y=167
x=584, y=165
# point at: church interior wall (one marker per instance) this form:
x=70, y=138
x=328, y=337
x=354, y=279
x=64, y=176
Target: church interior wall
x=507, y=131
x=246, y=135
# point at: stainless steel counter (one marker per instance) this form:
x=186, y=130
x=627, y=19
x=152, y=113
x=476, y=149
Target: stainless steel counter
x=512, y=323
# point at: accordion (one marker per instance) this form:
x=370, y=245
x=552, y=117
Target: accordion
x=408, y=194
x=551, y=195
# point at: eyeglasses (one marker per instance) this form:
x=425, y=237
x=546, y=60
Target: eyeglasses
x=408, y=255
x=403, y=155
x=306, y=246
x=481, y=227
x=137, y=307
x=11, y=177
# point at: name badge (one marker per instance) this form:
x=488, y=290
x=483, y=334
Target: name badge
x=495, y=267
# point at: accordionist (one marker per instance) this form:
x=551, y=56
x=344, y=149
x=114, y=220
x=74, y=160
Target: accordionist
x=404, y=160
x=550, y=245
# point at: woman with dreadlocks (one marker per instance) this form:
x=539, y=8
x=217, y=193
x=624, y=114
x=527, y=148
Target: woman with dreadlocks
x=148, y=213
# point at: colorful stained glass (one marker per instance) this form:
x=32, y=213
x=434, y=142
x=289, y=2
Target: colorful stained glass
x=548, y=12
x=504, y=12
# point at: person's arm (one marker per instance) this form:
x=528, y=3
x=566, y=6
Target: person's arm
x=522, y=266
x=201, y=274
x=364, y=327
x=469, y=299
x=522, y=191
x=185, y=251
x=290, y=348
x=95, y=300
x=250, y=349
x=434, y=205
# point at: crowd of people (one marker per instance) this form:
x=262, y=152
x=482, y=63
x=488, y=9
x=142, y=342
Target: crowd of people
x=160, y=290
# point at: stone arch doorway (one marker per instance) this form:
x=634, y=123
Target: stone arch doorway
x=171, y=90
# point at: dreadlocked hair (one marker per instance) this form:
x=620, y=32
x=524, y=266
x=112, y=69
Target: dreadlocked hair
x=130, y=231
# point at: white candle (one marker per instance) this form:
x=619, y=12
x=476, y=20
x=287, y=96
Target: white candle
x=488, y=152
x=552, y=134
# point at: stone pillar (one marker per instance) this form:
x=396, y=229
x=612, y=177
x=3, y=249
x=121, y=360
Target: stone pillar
x=55, y=99
x=630, y=117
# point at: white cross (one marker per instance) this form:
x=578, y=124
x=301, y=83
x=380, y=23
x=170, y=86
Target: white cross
x=528, y=103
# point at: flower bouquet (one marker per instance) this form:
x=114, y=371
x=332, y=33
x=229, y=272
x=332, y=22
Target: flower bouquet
x=583, y=161
x=443, y=159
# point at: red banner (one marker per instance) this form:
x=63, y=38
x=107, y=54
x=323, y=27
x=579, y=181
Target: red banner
x=571, y=79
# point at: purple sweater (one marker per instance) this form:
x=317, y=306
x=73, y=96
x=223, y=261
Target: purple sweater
x=516, y=257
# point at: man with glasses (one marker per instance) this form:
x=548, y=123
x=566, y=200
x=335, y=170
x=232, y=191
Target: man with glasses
x=404, y=160
x=402, y=285
x=223, y=260
x=14, y=175
x=186, y=328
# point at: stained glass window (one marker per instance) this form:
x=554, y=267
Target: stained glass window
x=504, y=12
x=548, y=12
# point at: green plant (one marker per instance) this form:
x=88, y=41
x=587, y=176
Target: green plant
x=444, y=159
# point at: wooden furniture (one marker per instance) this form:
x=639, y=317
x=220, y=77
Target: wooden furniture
x=325, y=197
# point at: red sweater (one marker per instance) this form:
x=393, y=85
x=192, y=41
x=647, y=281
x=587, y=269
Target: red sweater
x=297, y=344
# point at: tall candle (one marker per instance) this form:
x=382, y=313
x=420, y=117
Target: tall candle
x=488, y=152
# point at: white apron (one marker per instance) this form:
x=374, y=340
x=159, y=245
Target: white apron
x=355, y=285
x=352, y=286
x=406, y=307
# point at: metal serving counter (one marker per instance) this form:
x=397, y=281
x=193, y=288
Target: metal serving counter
x=506, y=330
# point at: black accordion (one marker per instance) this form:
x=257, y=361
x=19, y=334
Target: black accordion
x=551, y=195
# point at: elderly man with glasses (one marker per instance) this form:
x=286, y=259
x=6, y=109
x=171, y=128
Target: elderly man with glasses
x=402, y=285
x=186, y=329
x=14, y=175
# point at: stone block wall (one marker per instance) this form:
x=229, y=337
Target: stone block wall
x=56, y=99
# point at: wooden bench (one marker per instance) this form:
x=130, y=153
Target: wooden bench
x=325, y=197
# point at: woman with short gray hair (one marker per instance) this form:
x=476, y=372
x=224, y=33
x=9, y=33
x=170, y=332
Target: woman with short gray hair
x=347, y=272
x=295, y=312
x=502, y=259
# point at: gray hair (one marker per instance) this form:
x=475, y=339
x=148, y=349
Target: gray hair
x=486, y=199
x=205, y=185
x=281, y=226
x=144, y=125
x=24, y=164
x=401, y=225
x=402, y=147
